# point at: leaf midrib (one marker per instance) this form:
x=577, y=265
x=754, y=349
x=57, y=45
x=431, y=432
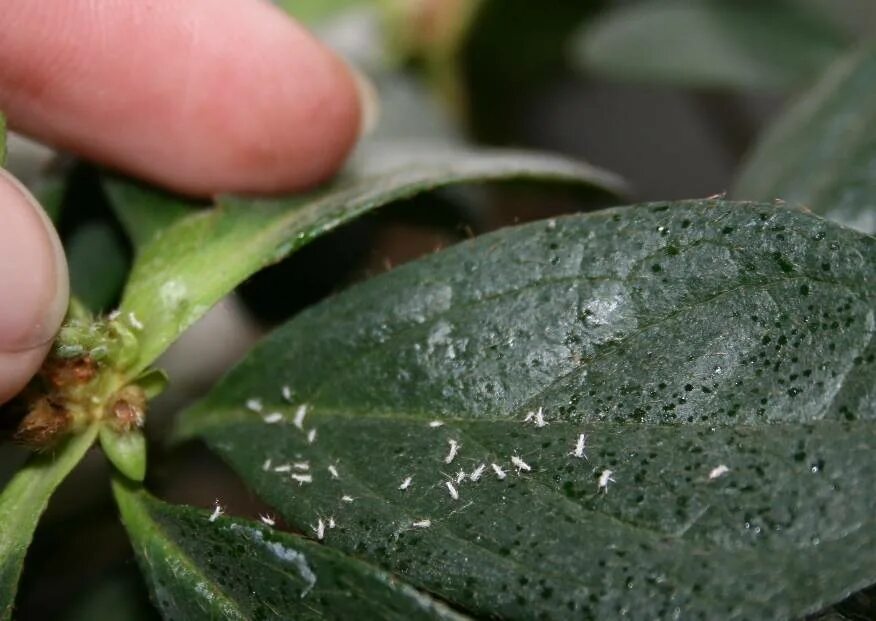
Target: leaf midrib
x=251, y=418
x=534, y=481
x=453, y=534
x=537, y=485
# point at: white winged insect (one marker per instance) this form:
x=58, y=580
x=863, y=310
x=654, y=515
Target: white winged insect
x=319, y=529
x=500, y=473
x=604, y=480
x=718, y=471
x=454, y=450
x=477, y=473
x=520, y=464
x=218, y=511
x=580, y=446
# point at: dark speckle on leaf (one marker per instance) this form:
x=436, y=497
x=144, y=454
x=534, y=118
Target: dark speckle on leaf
x=738, y=354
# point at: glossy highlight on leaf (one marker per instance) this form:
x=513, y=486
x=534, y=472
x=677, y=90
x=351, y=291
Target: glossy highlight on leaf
x=22, y=503
x=663, y=410
x=192, y=264
x=228, y=568
x=710, y=43
x=819, y=154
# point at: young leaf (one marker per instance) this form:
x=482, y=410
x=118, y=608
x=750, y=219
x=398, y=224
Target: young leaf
x=820, y=152
x=193, y=263
x=710, y=43
x=144, y=212
x=234, y=569
x=667, y=409
x=126, y=450
x=23, y=501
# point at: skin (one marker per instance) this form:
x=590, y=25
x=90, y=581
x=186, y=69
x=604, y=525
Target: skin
x=199, y=96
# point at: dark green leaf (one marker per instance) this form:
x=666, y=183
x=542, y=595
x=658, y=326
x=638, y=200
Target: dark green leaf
x=820, y=153
x=199, y=259
x=235, y=569
x=23, y=501
x=144, y=212
x=98, y=264
x=710, y=43
x=678, y=337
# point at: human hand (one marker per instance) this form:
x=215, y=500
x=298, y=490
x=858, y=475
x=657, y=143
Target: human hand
x=200, y=96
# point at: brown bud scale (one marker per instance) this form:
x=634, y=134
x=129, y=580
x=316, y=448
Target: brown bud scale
x=45, y=423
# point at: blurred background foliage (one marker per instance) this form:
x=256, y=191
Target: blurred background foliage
x=668, y=93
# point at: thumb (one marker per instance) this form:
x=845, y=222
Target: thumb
x=33, y=285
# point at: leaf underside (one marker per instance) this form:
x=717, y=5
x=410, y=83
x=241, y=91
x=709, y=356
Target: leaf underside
x=192, y=264
x=679, y=338
x=820, y=153
x=710, y=43
x=235, y=569
x=142, y=210
x=22, y=503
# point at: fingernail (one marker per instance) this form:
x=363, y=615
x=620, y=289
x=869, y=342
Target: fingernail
x=33, y=271
x=368, y=100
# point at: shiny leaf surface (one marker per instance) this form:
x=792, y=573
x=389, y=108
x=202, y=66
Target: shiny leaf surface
x=665, y=410
x=235, y=569
x=193, y=263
